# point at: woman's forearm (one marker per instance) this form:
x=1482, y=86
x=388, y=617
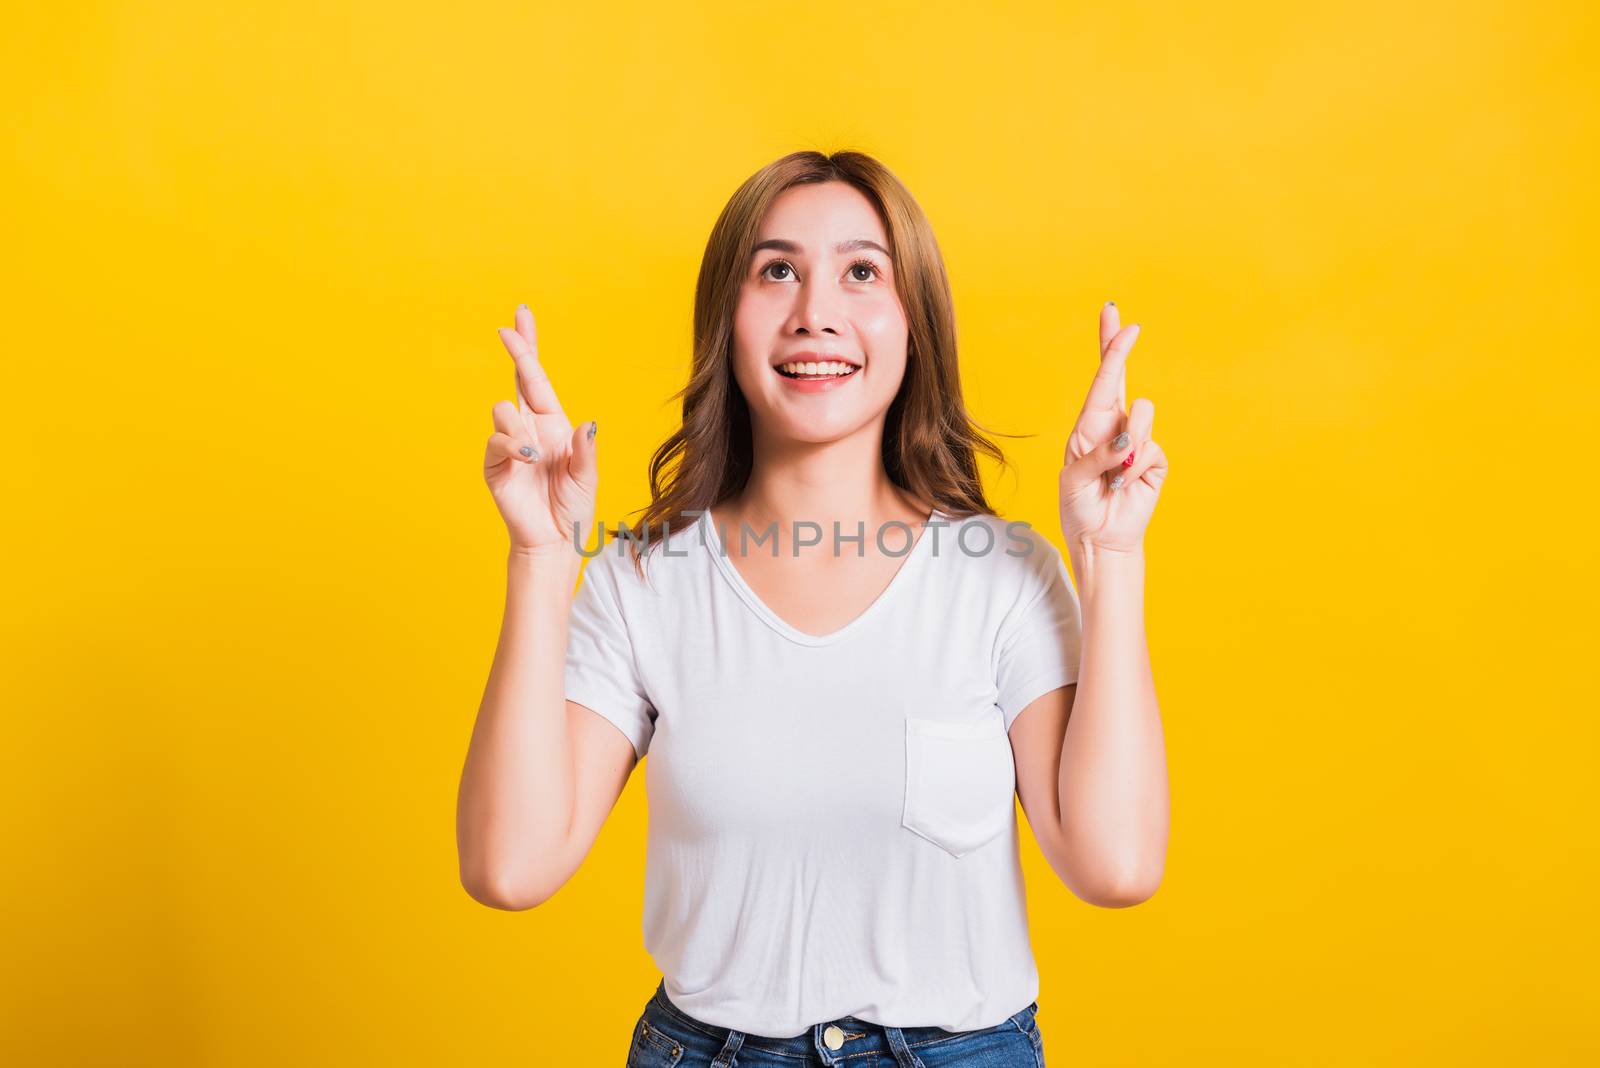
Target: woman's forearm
x=516, y=796
x=1113, y=782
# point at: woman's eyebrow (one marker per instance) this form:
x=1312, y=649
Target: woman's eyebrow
x=853, y=245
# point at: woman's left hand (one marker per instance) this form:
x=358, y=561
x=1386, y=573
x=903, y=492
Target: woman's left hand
x=1112, y=472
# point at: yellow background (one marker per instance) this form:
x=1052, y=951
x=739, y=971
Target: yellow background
x=256, y=257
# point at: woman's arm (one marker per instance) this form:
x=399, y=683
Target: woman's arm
x=515, y=799
x=1113, y=778
x=1103, y=817
x=1090, y=757
x=541, y=772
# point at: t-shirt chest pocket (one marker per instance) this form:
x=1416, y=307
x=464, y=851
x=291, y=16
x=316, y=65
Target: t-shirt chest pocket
x=960, y=782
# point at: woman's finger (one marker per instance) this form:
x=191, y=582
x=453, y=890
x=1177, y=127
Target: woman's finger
x=1123, y=459
x=1110, y=323
x=534, y=385
x=1105, y=392
x=583, y=465
x=505, y=447
x=508, y=422
x=1151, y=466
x=507, y=419
x=1116, y=454
x=530, y=333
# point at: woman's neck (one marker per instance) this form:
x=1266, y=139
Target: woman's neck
x=782, y=505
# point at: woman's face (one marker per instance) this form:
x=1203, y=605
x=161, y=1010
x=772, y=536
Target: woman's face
x=819, y=291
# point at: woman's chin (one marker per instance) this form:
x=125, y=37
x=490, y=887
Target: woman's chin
x=819, y=429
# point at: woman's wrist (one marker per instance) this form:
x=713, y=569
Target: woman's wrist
x=1092, y=564
x=558, y=561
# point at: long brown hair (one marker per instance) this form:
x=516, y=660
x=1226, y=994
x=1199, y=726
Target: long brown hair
x=929, y=440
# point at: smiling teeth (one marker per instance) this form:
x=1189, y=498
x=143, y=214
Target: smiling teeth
x=831, y=367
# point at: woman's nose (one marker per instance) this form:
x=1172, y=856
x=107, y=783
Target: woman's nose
x=815, y=308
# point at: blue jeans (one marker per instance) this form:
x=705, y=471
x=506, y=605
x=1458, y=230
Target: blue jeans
x=667, y=1037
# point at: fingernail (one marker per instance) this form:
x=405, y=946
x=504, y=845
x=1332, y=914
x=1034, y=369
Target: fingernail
x=522, y=307
x=1111, y=304
x=527, y=450
x=1129, y=461
x=593, y=428
x=1121, y=441
x=1136, y=329
x=1116, y=483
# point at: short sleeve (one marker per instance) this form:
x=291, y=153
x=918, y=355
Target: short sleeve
x=1040, y=640
x=602, y=673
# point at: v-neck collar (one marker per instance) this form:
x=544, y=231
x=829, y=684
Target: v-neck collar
x=712, y=540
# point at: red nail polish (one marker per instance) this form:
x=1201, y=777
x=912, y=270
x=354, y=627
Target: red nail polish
x=1129, y=461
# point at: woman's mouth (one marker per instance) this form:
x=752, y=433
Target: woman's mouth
x=816, y=372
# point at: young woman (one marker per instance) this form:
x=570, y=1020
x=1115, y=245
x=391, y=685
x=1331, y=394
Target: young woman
x=843, y=663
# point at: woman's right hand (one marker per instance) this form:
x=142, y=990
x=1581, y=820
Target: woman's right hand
x=541, y=472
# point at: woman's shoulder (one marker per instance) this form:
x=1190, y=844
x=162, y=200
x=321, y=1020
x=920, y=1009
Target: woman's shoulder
x=614, y=552
x=1008, y=557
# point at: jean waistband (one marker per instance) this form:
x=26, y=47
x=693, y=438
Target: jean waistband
x=853, y=1029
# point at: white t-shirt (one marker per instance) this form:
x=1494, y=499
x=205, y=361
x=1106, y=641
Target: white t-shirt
x=832, y=827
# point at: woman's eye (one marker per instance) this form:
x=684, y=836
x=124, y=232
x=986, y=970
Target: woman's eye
x=869, y=268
